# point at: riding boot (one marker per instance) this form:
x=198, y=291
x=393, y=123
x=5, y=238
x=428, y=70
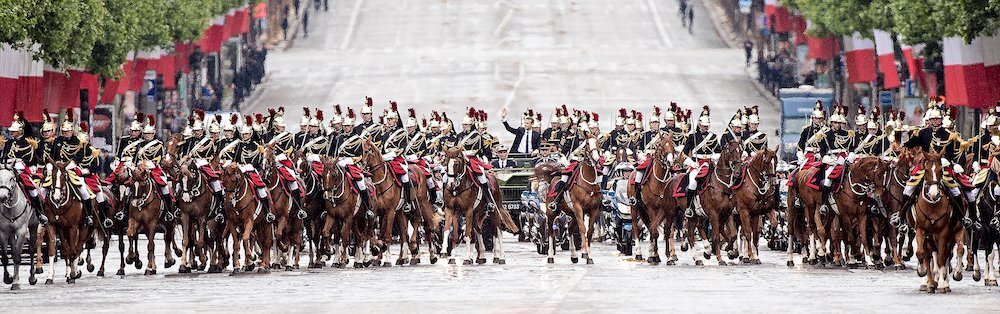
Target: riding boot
x=407, y=197
x=366, y=204
x=558, y=190
x=824, y=206
x=88, y=211
x=690, y=195
x=169, y=210
x=638, y=193
x=105, y=210
x=36, y=204
x=265, y=205
x=959, y=211
x=217, y=201
x=433, y=197
x=297, y=204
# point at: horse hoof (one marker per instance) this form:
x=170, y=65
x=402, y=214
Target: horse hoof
x=183, y=269
x=358, y=265
x=699, y=263
x=236, y=271
x=39, y=270
x=451, y=261
x=574, y=260
x=15, y=287
x=481, y=261
x=501, y=262
x=944, y=290
x=670, y=262
x=289, y=268
x=921, y=272
x=745, y=260
x=248, y=267
x=755, y=261
x=121, y=272
x=387, y=264
x=70, y=281
x=467, y=262
x=48, y=281
x=400, y=262
x=201, y=267
x=923, y=288
x=77, y=275
x=551, y=260
x=7, y=279
x=590, y=261
x=976, y=276
x=263, y=270
x=707, y=255
x=790, y=263
x=639, y=257
x=90, y=268
x=434, y=260
x=968, y=267
x=813, y=261
x=723, y=263
x=906, y=258
x=957, y=276
x=138, y=264
x=684, y=247
x=169, y=263
x=733, y=254
x=80, y=263
x=148, y=272
x=496, y=260
x=414, y=262
x=100, y=273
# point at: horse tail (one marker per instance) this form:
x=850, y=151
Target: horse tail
x=545, y=171
x=507, y=220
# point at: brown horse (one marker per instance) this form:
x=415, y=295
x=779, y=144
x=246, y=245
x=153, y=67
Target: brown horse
x=144, y=210
x=854, y=197
x=581, y=201
x=937, y=228
x=195, y=202
x=65, y=213
x=717, y=202
x=465, y=199
x=816, y=226
x=890, y=228
x=343, y=211
x=288, y=221
x=313, y=205
x=423, y=216
x=386, y=204
x=755, y=197
x=244, y=220
x=656, y=206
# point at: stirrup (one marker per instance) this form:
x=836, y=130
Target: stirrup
x=688, y=213
x=797, y=202
x=89, y=220
x=108, y=223
x=220, y=218
x=269, y=217
x=369, y=214
x=301, y=214
x=551, y=205
x=120, y=216
x=894, y=221
x=824, y=209
x=995, y=222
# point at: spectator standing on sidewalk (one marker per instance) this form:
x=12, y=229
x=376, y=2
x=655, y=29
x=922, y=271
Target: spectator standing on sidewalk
x=305, y=24
x=691, y=20
x=284, y=24
x=748, y=48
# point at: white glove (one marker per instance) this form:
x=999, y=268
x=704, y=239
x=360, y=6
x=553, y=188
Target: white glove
x=851, y=157
x=85, y=171
x=958, y=168
x=800, y=155
x=690, y=162
x=715, y=157
x=976, y=167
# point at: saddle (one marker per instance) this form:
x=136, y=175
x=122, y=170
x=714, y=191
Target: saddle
x=700, y=178
x=836, y=176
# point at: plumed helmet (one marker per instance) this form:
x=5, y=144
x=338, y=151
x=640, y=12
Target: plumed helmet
x=818, y=111
x=150, y=127
x=367, y=108
x=704, y=119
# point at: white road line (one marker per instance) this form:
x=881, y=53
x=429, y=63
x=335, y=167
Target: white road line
x=503, y=22
x=659, y=24
x=513, y=91
x=349, y=33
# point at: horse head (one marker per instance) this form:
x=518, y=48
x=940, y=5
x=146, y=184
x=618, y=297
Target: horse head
x=731, y=155
x=231, y=177
x=59, y=180
x=173, y=144
x=8, y=186
x=455, y=164
x=933, y=173
x=665, y=152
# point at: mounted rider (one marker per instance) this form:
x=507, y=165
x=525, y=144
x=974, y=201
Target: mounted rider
x=874, y=142
x=754, y=140
x=933, y=137
x=583, y=146
x=249, y=156
x=734, y=133
x=21, y=150
x=201, y=150
x=808, y=146
x=416, y=153
x=701, y=150
x=226, y=146
x=70, y=150
x=351, y=150
x=985, y=149
x=836, y=146
x=151, y=152
x=334, y=132
x=283, y=143
x=473, y=148
x=366, y=117
x=394, y=141
x=316, y=146
x=645, y=156
x=677, y=135
x=88, y=170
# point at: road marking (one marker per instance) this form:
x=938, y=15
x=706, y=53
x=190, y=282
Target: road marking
x=504, y=21
x=659, y=24
x=513, y=91
x=349, y=33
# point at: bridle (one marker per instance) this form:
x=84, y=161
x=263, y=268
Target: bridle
x=12, y=200
x=766, y=177
x=148, y=191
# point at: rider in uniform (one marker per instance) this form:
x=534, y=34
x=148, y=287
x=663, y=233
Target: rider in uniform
x=754, y=140
x=316, y=146
x=394, y=141
x=202, y=150
x=22, y=150
x=350, y=152
x=935, y=138
x=68, y=149
x=734, y=133
x=808, y=146
x=335, y=131
x=150, y=153
x=836, y=146
x=416, y=152
x=303, y=135
x=701, y=150
x=985, y=149
x=89, y=166
x=128, y=144
x=670, y=126
x=874, y=142
x=227, y=145
x=249, y=153
x=366, y=117
x=472, y=148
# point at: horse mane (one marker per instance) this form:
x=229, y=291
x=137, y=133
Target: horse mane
x=545, y=171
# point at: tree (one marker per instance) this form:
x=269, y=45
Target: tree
x=844, y=17
x=924, y=21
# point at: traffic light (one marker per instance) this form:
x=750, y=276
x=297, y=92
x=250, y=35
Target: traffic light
x=158, y=85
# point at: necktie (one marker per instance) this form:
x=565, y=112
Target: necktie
x=527, y=143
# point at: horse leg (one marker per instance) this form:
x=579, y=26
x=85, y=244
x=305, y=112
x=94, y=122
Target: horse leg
x=151, y=248
x=942, y=260
x=959, y=253
x=185, y=243
x=589, y=237
x=404, y=238
x=39, y=236
x=746, y=231
x=498, y=254
x=668, y=231
x=991, y=270
x=170, y=246
x=654, y=237
x=548, y=231
x=636, y=233
x=480, y=248
x=248, y=248
x=699, y=250
x=821, y=238
x=265, y=239
x=104, y=253
x=467, y=238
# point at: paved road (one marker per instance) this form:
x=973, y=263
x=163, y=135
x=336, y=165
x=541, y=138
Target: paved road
x=597, y=55
x=525, y=284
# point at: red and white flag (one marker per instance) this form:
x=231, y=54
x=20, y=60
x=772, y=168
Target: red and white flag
x=886, y=59
x=991, y=60
x=860, y=59
x=30, y=86
x=964, y=73
x=10, y=69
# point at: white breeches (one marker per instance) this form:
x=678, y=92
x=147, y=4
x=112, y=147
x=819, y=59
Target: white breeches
x=216, y=185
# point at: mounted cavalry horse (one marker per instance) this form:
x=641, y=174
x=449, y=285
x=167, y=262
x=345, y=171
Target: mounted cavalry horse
x=66, y=217
x=656, y=204
x=344, y=214
x=853, y=196
x=195, y=203
x=756, y=196
x=18, y=226
x=716, y=199
x=245, y=220
x=938, y=228
x=580, y=199
x=288, y=213
x=465, y=199
x=145, y=207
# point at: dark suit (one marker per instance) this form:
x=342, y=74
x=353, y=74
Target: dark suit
x=509, y=163
x=519, y=134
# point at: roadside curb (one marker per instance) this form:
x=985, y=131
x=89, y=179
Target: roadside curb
x=724, y=28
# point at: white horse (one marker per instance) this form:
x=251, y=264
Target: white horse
x=18, y=225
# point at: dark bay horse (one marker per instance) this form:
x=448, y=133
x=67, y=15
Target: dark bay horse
x=856, y=194
x=656, y=206
x=582, y=200
x=288, y=223
x=756, y=196
x=345, y=220
x=66, y=217
x=464, y=199
x=144, y=210
x=245, y=220
x=718, y=202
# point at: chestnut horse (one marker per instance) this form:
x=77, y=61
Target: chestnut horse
x=756, y=196
x=805, y=220
x=244, y=220
x=344, y=212
x=656, y=206
x=717, y=202
x=422, y=217
x=938, y=229
x=856, y=194
x=196, y=204
x=465, y=199
x=891, y=227
x=288, y=221
x=144, y=210
x=387, y=203
x=66, y=216
x=582, y=201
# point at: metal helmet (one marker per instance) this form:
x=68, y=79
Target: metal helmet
x=705, y=118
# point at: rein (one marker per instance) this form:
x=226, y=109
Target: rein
x=12, y=201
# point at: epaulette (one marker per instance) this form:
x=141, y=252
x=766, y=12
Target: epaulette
x=32, y=143
x=94, y=152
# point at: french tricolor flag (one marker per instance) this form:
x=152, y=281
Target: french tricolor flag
x=964, y=73
x=991, y=60
x=860, y=59
x=886, y=59
x=10, y=68
x=30, y=87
